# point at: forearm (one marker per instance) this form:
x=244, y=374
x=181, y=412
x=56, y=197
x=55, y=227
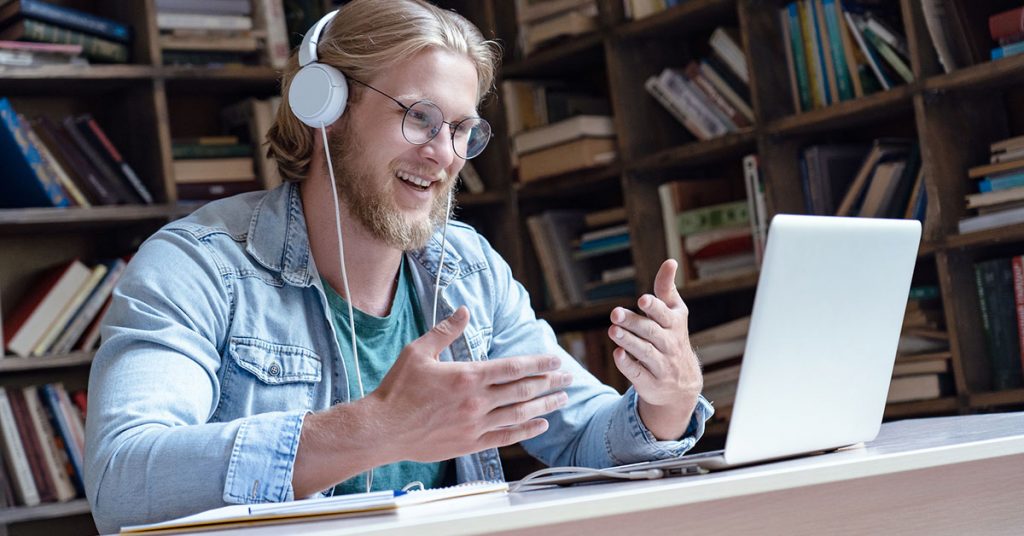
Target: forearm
x=337, y=444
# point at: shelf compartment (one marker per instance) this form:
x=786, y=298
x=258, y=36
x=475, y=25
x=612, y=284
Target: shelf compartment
x=576, y=54
x=847, y=113
x=681, y=18
x=12, y=364
x=698, y=153
x=568, y=184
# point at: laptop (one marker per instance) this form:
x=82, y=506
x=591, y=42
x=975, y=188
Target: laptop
x=820, y=349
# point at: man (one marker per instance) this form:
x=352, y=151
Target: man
x=227, y=373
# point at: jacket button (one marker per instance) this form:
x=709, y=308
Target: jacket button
x=274, y=370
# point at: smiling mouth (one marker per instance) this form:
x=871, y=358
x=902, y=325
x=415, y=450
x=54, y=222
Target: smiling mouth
x=414, y=181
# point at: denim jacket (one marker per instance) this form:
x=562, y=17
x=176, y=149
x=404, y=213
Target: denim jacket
x=218, y=343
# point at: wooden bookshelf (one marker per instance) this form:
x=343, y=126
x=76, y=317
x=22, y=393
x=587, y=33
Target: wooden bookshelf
x=12, y=364
x=22, y=514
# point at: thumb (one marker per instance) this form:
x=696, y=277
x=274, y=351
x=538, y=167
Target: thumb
x=444, y=333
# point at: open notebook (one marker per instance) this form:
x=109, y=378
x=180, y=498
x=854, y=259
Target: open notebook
x=358, y=504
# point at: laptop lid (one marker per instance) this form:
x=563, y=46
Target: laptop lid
x=823, y=334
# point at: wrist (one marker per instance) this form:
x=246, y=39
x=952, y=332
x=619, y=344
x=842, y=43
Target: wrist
x=667, y=422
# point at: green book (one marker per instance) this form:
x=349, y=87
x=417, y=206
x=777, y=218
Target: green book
x=890, y=56
x=713, y=217
x=994, y=282
x=93, y=47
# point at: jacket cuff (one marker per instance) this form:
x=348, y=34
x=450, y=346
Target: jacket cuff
x=639, y=444
x=263, y=459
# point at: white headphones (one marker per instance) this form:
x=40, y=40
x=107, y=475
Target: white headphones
x=318, y=92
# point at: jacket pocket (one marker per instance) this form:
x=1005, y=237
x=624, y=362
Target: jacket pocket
x=262, y=377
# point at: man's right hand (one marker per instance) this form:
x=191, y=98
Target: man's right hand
x=431, y=410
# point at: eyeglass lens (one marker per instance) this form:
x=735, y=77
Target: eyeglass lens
x=423, y=120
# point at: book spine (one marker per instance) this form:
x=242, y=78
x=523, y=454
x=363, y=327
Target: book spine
x=824, y=49
x=76, y=20
x=796, y=44
x=556, y=288
x=88, y=312
x=112, y=152
x=814, y=74
x=712, y=217
x=77, y=162
x=106, y=173
x=33, y=450
x=54, y=165
x=14, y=454
x=51, y=400
x=890, y=56
x=994, y=279
x=52, y=463
x=681, y=94
x=869, y=54
x=653, y=86
x=1008, y=50
x=995, y=184
x=60, y=445
x=1006, y=24
x=272, y=17
x=192, y=21
x=24, y=166
x=750, y=180
x=92, y=47
x=844, y=80
x=1018, y=299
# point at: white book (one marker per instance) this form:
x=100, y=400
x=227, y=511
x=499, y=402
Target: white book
x=729, y=331
x=673, y=240
x=731, y=52
x=373, y=503
x=194, y=21
x=62, y=320
x=89, y=309
x=910, y=388
x=991, y=220
x=270, y=16
x=573, y=128
x=14, y=452
x=851, y=22
x=722, y=376
x=682, y=95
x=654, y=88
x=997, y=197
x=717, y=352
x=25, y=340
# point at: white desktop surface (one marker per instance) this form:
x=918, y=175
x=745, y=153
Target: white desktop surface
x=953, y=475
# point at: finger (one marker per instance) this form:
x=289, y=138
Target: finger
x=528, y=388
x=640, y=349
x=657, y=311
x=509, y=369
x=665, y=284
x=444, y=333
x=642, y=327
x=521, y=412
x=632, y=369
x=513, y=434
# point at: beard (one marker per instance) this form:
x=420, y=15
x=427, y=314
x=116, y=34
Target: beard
x=371, y=200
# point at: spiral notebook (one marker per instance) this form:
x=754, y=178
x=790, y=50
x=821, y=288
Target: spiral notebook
x=357, y=504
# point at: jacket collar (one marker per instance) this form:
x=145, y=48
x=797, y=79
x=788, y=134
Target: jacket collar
x=279, y=241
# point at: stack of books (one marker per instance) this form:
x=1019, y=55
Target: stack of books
x=61, y=312
x=710, y=97
x=101, y=39
x=62, y=164
x=708, y=230
x=837, y=50
x=999, y=191
x=573, y=144
x=221, y=32
x=922, y=369
x=1007, y=30
x=545, y=22
x=720, y=350
x=212, y=167
x=585, y=257
x=42, y=441
x=639, y=9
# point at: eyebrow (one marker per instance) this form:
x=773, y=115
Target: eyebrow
x=415, y=97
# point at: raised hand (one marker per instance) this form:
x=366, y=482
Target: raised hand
x=655, y=354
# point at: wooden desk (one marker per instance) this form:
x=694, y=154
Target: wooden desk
x=950, y=475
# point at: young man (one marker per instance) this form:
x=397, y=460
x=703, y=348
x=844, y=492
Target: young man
x=227, y=374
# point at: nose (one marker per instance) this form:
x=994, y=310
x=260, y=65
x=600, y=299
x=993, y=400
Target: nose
x=440, y=150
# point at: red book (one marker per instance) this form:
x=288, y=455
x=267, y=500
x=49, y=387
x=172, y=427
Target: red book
x=727, y=246
x=1018, y=295
x=33, y=450
x=1006, y=24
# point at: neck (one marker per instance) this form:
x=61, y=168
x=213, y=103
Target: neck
x=371, y=265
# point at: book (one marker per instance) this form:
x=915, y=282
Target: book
x=63, y=424
x=941, y=21
x=94, y=48
x=578, y=154
x=882, y=150
x=61, y=321
x=911, y=388
x=553, y=233
x=677, y=108
x=725, y=42
x=1006, y=23
x=33, y=315
x=605, y=217
x=1000, y=197
x=90, y=147
x=978, y=172
x=90, y=308
x=209, y=7
x=533, y=10
x=728, y=331
x=994, y=284
x=582, y=126
x=166, y=20
x=676, y=197
x=53, y=463
x=756, y=206
x=68, y=17
x=188, y=151
x=1017, y=266
x=251, y=119
x=214, y=170
x=711, y=217
x=576, y=22
x=113, y=157
x=211, y=42
x=30, y=441
x=881, y=190
x=830, y=171
x=796, y=60
x=75, y=163
x=981, y=222
x=14, y=454
x=372, y=503
x=270, y=16
x=51, y=163
x=26, y=181
x=871, y=58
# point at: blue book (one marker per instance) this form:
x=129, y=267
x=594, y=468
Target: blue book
x=26, y=181
x=796, y=43
x=1008, y=50
x=74, y=19
x=816, y=31
x=844, y=82
x=1002, y=182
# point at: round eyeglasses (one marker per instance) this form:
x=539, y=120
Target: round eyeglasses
x=423, y=120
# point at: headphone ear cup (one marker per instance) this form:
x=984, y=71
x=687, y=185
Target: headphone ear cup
x=318, y=94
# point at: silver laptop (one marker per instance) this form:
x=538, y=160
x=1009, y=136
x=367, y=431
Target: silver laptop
x=821, y=346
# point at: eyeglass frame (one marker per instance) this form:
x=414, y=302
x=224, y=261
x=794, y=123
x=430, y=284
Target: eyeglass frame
x=451, y=126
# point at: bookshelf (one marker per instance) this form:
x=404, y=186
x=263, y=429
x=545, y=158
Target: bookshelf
x=954, y=116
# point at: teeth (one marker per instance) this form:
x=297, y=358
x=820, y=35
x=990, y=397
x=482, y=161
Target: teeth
x=422, y=183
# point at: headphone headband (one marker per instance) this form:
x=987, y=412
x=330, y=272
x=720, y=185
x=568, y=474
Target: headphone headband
x=307, y=50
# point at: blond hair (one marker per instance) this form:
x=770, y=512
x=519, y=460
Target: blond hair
x=366, y=38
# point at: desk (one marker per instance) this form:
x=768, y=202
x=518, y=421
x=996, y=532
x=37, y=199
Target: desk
x=949, y=475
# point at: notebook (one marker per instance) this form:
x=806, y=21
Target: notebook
x=356, y=504
x=820, y=349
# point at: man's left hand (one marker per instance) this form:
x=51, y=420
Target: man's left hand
x=654, y=353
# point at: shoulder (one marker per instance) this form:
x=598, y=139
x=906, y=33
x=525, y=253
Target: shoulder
x=229, y=216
